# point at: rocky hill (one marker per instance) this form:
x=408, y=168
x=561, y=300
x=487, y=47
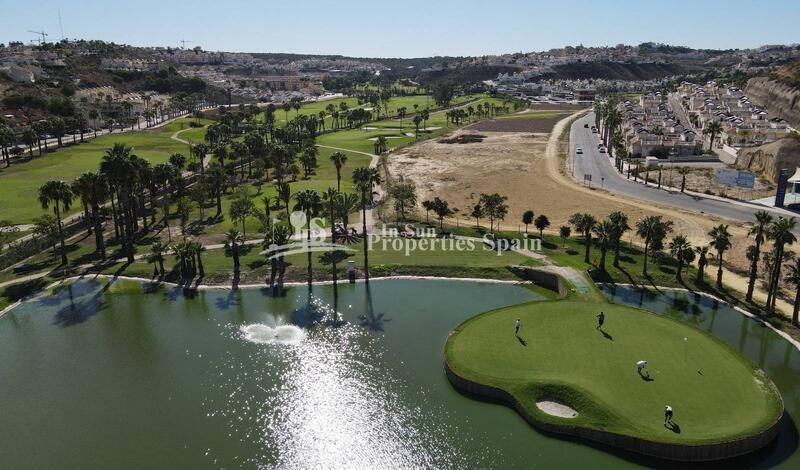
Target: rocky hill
x=778, y=92
x=766, y=160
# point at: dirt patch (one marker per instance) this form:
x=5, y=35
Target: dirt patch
x=533, y=122
x=463, y=139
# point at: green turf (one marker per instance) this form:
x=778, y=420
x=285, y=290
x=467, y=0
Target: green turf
x=716, y=393
x=19, y=184
x=360, y=139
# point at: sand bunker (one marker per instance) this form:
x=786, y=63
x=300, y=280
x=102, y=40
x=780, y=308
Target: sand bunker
x=555, y=408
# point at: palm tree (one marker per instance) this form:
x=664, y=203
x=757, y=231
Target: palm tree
x=279, y=236
x=183, y=255
x=347, y=203
x=759, y=232
x=338, y=159
x=781, y=234
x=309, y=202
x=380, y=145
x=721, y=242
x=584, y=223
x=364, y=178
x=604, y=233
x=29, y=138
x=331, y=196
x=59, y=194
x=619, y=221
x=285, y=196
x=649, y=228
x=196, y=249
x=93, y=189
x=683, y=171
x=6, y=139
x=233, y=239
x=216, y=179
x=119, y=167
x=681, y=250
x=712, y=128
x=793, y=278
x=702, y=262
x=156, y=257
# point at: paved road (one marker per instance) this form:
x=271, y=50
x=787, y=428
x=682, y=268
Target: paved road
x=601, y=168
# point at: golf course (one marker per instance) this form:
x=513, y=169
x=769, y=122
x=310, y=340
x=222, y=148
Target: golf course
x=566, y=375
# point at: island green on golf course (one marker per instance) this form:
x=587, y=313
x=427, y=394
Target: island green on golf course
x=723, y=405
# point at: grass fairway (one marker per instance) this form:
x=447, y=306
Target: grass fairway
x=717, y=394
x=19, y=184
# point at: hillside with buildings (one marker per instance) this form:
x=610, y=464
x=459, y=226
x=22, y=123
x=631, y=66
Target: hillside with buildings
x=779, y=91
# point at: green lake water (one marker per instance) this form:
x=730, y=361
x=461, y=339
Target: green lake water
x=171, y=379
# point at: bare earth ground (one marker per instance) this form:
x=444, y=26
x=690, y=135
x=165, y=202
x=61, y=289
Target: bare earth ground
x=520, y=166
x=510, y=163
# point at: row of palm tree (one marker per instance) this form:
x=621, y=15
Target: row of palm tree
x=653, y=231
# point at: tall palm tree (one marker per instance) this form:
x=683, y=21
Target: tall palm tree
x=682, y=251
x=346, y=204
x=59, y=194
x=233, y=240
x=604, y=233
x=279, y=236
x=721, y=242
x=647, y=229
x=6, y=139
x=759, y=233
x=584, y=223
x=156, y=256
x=793, y=278
x=196, y=249
x=620, y=225
x=93, y=188
x=284, y=195
x=309, y=202
x=683, y=171
x=712, y=128
x=183, y=255
x=380, y=145
x=338, y=159
x=702, y=262
x=217, y=180
x=780, y=232
x=119, y=167
x=365, y=179
x=331, y=196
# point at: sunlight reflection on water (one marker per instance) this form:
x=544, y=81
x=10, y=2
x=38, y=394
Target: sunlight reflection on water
x=330, y=401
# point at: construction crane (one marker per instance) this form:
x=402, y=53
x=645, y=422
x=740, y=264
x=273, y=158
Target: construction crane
x=183, y=43
x=40, y=33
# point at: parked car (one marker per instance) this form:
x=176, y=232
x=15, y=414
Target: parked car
x=579, y=151
x=586, y=125
x=602, y=150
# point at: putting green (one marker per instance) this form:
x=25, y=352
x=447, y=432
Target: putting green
x=717, y=395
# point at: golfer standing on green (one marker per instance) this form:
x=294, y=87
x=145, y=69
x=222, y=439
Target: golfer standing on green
x=517, y=325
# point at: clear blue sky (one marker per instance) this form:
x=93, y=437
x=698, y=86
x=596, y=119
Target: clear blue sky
x=407, y=28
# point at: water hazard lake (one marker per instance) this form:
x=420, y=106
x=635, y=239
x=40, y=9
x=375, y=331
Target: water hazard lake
x=139, y=378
